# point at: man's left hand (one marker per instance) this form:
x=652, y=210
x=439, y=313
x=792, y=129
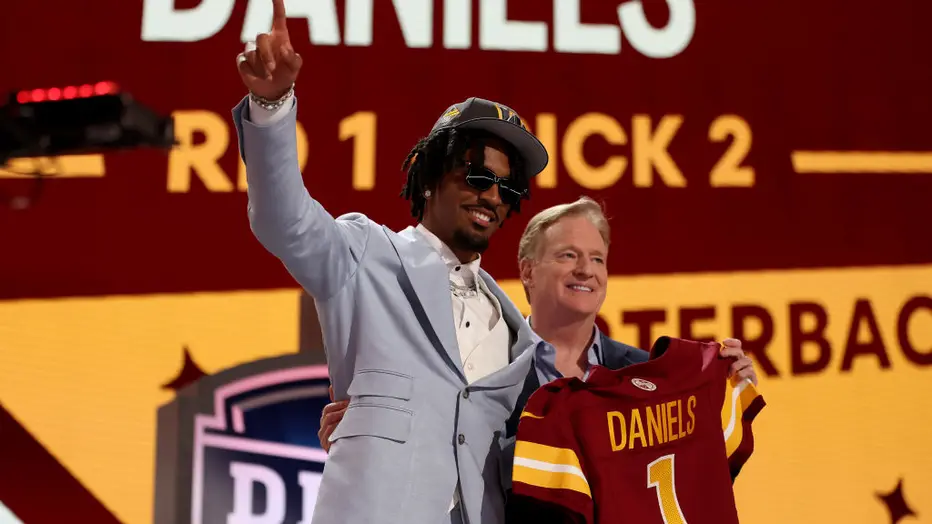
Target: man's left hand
x=742, y=366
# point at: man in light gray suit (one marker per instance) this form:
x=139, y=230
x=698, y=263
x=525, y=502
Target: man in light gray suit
x=429, y=351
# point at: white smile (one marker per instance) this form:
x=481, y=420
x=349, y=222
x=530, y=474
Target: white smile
x=482, y=217
x=584, y=289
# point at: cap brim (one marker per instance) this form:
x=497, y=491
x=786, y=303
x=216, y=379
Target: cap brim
x=528, y=146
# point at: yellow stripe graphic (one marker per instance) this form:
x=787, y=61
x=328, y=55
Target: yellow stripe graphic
x=66, y=166
x=861, y=162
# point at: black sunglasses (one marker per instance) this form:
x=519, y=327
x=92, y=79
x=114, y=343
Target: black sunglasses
x=483, y=178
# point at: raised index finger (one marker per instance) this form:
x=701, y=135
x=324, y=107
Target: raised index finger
x=278, y=16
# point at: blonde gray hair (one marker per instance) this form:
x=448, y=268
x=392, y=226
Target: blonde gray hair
x=529, y=245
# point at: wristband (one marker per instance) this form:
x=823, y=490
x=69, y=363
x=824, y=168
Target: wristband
x=272, y=105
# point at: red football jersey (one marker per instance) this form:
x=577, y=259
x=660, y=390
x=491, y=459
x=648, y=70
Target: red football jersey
x=654, y=443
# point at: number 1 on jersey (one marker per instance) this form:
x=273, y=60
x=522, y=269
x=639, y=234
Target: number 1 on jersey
x=660, y=477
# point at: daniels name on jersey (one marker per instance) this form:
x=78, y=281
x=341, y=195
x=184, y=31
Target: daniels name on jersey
x=653, y=443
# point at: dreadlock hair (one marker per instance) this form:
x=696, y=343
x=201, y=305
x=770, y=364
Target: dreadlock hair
x=444, y=150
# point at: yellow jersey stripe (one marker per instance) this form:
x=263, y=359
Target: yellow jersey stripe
x=546, y=454
x=528, y=414
x=737, y=399
x=748, y=395
x=733, y=440
x=729, y=408
x=550, y=476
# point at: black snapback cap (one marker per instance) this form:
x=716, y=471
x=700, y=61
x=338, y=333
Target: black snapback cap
x=501, y=121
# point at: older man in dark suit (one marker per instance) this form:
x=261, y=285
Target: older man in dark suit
x=562, y=257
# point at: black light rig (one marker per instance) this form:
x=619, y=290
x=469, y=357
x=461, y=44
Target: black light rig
x=74, y=120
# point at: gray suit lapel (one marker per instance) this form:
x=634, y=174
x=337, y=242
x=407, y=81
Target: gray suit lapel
x=427, y=286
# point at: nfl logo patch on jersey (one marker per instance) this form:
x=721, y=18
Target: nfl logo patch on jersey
x=646, y=385
x=244, y=449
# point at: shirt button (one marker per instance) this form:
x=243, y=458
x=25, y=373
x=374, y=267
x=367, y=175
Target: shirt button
x=457, y=268
x=469, y=366
x=461, y=439
x=467, y=323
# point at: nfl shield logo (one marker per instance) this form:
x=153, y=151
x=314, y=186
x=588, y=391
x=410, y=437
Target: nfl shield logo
x=255, y=457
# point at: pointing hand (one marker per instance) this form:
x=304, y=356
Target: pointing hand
x=269, y=67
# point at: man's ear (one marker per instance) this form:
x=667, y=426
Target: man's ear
x=526, y=271
x=434, y=188
x=430, y=194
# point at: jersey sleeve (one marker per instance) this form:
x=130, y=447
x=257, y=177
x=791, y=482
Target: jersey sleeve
x=549, y=483
x=741, y=405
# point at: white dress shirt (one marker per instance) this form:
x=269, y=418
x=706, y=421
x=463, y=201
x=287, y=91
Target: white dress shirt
x=481, y=332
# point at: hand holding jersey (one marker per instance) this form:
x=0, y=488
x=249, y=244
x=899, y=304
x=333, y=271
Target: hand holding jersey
x=657, y=442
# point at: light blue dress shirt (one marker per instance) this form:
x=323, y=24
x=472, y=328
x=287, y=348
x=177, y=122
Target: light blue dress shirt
x=546, y=356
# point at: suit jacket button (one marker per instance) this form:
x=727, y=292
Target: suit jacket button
x=466, y=394
x=461, y=439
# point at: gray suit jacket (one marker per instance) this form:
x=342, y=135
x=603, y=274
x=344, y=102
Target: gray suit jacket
x=413, y=427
